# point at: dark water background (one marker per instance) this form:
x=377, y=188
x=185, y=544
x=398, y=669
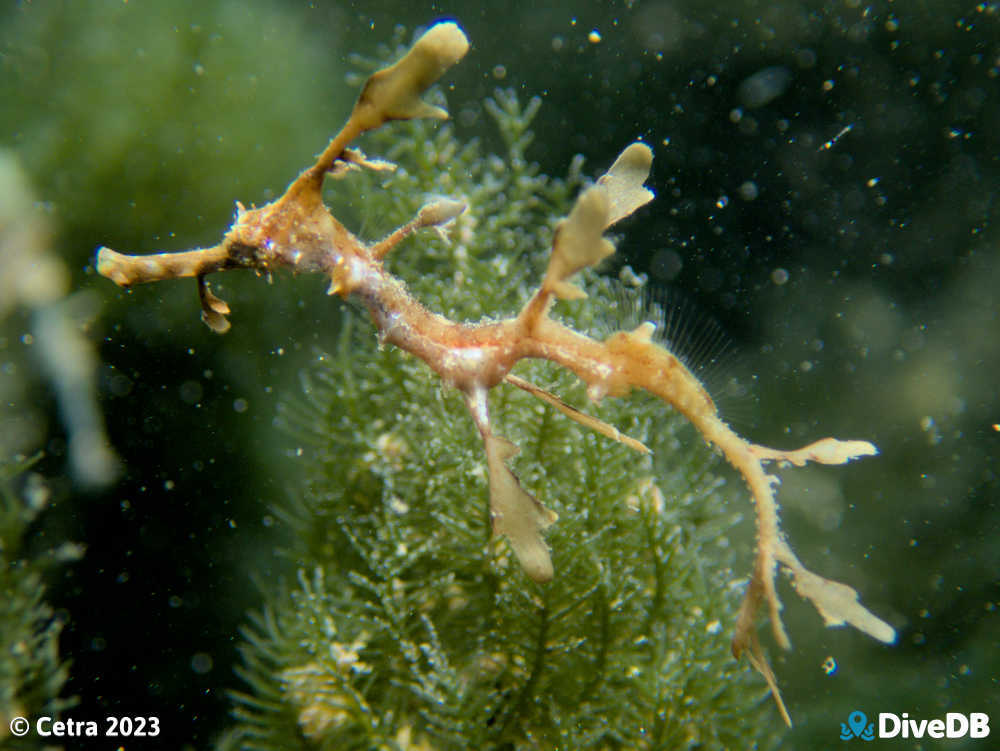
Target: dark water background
x=827, y=177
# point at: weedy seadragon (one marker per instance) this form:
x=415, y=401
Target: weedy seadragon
x=297, y=232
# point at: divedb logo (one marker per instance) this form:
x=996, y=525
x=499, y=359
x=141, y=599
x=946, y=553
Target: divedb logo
x=954, y=725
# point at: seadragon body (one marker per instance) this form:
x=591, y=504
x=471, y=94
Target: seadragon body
x=297, y=232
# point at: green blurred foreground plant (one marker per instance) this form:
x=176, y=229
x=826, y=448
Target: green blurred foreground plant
x=409, y=627
x=31, y=673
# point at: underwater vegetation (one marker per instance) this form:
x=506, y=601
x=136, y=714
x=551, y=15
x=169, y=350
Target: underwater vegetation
x=825, y=181
x=297, y=232
x=32, y=672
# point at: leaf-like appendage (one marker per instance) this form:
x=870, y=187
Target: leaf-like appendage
x=838, y=604
x=823, y=451
x=393, y=93
x=579, y=242
x=213, y=309
x=517, y=514
x=439, y=212
x=623, y=182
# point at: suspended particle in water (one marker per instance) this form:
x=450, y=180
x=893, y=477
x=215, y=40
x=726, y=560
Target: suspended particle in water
x=833, y=141
x=201, y=663
x=764, y=86
x=748, y=190
x=829, y=666
x=666, y=265
x=779, y=276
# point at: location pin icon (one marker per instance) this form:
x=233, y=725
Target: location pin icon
x=857, y=721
